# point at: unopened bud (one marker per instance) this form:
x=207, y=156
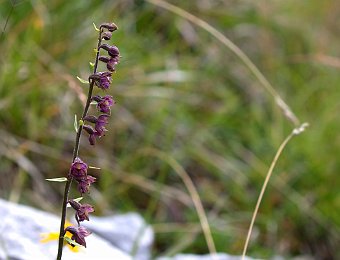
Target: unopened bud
x=109, y=26
x=91, y=119
x=106, y=35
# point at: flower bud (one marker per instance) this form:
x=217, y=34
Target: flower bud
x=106, y=36
x=113, y=51
x=90, y=118
x=111, y=62
x=109, y=26
x=97, y=98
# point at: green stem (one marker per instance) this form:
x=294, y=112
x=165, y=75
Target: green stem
x=75, y=155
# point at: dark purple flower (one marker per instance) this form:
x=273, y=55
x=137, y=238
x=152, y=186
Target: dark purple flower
x=92, y=138
x=78, y=169
x=104, y=103
x=99, y=122
x=109, y=26
x=111, y=62
x=102, y=120
x=82, y=210
x=84, y=184
x=106, y=36
x=112, y=50
x=78, y=234
x=102, y=79
x=92, y=133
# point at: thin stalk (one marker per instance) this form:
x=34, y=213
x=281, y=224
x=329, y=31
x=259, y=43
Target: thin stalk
x=295, y=132
x=75, y=155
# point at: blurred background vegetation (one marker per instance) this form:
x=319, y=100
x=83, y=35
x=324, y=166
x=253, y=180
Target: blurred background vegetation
x=181, y=95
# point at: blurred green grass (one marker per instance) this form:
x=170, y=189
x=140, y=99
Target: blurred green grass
x=180, y=91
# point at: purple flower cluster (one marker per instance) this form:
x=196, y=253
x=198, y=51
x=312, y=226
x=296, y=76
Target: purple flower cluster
x=78, y=170
x=113, y=59
x=103, y=80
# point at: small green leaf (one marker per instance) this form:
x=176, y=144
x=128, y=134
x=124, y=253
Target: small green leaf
x=95, y=27
x=61, y=179
x=75, y=124
x=78, y=199
x=83, y=80
x=93, y=167
x=95, y=50
x=71, y=242
x=91, y=64
x=81, y=122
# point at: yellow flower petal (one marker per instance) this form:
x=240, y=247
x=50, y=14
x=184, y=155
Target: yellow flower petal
x=74, y=249
x=48, y=237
